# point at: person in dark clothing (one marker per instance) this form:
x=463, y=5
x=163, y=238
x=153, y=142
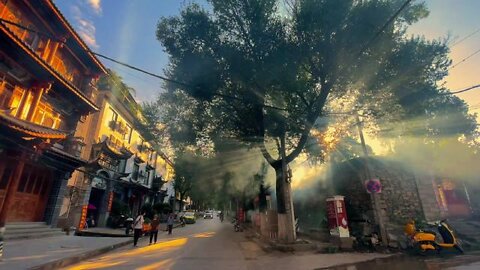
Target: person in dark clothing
x=170, y=221
x=137, y=228
x=154, y=229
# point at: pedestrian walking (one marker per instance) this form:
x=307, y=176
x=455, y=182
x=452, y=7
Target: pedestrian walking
x=170, y=221
x=154, y=229
x=137, y=228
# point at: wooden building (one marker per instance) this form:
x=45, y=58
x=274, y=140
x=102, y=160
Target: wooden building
x=47, y=76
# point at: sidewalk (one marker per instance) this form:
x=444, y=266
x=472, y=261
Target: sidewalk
x=26, y=254
x=104, y=232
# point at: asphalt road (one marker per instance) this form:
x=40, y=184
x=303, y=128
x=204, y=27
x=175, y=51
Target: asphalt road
x=210, y=244
x=207, y=244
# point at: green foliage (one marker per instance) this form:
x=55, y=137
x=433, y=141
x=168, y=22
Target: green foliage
x=147, y=208
x=162, y=208
x=119, y=208
x=254, y=74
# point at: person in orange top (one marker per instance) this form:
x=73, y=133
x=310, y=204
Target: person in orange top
x=154, y=229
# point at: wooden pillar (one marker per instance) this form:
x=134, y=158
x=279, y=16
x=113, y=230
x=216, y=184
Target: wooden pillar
x=46, y=50
x=3, y=7
x=21, y=105
x=53, y=52
x=2, y=86
x=37, y=96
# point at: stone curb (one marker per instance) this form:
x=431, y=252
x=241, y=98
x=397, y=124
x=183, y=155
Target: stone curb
x=101, y=234
x=80, y=257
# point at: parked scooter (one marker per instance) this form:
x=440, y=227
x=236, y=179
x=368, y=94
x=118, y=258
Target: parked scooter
x=236, y=225
x=424, y=241
x=128, y=225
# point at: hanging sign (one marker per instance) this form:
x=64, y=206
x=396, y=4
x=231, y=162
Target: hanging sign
x=373, y=186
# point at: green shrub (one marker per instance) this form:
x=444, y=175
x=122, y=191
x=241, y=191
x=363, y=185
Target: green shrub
x=119, y=208
x=162, y=208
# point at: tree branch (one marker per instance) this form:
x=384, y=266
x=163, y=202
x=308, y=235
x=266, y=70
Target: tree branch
x=311, y=118
x=266, y=154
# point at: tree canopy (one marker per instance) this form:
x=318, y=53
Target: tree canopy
x=269, y=72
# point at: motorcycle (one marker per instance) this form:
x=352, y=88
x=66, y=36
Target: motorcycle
x=182, y=221
x=236, y=226
x=424, y=241
x=128, y=225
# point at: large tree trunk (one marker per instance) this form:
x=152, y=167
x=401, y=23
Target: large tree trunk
x=286, y=223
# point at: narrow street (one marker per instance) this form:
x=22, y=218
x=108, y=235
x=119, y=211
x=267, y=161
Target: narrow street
x=210, y=244
x=207, y=244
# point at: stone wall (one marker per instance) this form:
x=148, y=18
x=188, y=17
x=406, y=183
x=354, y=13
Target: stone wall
x=399, y=199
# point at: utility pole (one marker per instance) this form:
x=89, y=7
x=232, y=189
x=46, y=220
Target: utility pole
x=377, y=210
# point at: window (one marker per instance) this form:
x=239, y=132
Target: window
x=122, y=166
x=46, y=116
x=128, y=134
x=147, y=180
x=113, y=121
x=10, y=98
x=135, y=170
x=140, y=146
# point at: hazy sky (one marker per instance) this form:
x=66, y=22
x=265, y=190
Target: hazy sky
x=125, y=30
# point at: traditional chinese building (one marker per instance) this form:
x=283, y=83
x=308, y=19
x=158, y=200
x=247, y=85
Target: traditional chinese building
x=123, y=165
x=47, y=76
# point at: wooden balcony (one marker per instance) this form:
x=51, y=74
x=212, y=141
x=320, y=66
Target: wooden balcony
x=47, y=51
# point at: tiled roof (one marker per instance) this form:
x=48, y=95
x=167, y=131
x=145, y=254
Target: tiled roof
x=28, y=128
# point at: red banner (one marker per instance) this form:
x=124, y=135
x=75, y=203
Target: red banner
x=110, y=201
x=83, y=218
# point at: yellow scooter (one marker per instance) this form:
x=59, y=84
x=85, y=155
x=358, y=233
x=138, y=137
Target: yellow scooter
x=424, y=241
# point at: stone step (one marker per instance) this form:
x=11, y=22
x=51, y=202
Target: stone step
x=25, y=225
x=32, y=230
x=20, y=236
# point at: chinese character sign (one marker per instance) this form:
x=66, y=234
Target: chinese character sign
x=110, y=201
x=83, y=218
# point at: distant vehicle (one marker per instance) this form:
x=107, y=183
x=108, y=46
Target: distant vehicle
x=208, y=214
x=189, y=217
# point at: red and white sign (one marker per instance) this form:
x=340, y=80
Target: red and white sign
x=373, y=186
x=337, y=216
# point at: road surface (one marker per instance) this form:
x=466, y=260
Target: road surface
x=208, y=244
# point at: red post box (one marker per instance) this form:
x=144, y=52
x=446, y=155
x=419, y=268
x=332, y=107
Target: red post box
x=337, y=216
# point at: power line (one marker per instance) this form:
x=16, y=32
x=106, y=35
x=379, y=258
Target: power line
x=465, y=59
x=142, y=70
x=465, y=38
x=462, y=90
x=33, y=30
x=390, y=20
